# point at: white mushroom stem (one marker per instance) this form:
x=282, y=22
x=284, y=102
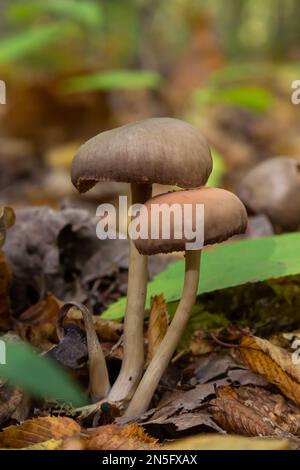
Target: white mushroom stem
x=133, y=357
x=99, y=381
x=144, y=393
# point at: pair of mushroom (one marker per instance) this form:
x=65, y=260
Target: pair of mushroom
x=166, y=151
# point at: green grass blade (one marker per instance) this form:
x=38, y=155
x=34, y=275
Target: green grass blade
x=38, y=375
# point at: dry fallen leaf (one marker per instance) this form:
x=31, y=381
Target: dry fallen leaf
x=114, y=437
x=254, y=411
x=238, y=418
x=37, y=324
x=10, y=400
x=38, y=430
x=273, y=363
x=158, y=324
x=7, y=219
x=5, y=275
x=221, y=442
x=52, y=444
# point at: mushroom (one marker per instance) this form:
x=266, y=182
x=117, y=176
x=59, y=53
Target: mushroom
x=224, y=216
x=272, y=188
x=156, y=150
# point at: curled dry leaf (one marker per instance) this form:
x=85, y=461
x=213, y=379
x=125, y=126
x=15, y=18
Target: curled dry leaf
x=38, y=430
x=273, y=363
x=158, y=324
x=114, y=437
x=219, y=442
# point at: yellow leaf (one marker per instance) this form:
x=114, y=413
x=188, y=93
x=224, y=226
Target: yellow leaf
x=37, y=431
x=52, y=444
x=228, y=442
x=273, y=363
x=158, y=324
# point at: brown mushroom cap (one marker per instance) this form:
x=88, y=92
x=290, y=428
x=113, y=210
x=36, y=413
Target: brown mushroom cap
x=156, y=150
x=273, y=188
x=224, y=216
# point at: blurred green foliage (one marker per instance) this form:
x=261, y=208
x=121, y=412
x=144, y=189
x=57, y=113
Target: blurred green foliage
x=88, y=12
x=139, y=33
x=254, y=98
x=39, y=375
x=113, y=80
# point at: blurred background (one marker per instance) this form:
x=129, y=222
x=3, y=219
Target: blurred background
x=76, y=67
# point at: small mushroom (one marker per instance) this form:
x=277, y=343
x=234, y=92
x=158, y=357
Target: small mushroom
x=156, y=150
x=272, y=188
x=224, y=216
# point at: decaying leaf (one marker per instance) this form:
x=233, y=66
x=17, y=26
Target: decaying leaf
x=254, y=411
x=46, y=249
x=5, y=276
x=38, y=430
x=172, y=426
x=114, y=437
x=10, y=400
x=158, y=324
x=273, y=363
x=218, y=365
x=180, y=411
x=188, y=410
x=237, y=418
x=58, y=251
x=219, y=442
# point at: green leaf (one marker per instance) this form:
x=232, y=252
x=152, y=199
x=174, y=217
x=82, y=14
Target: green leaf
x=113, y=80
x=237, y=72
x=21, y=44
x=38, y=375
x=227, y=265
x=254, y=98
x=87, y=12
